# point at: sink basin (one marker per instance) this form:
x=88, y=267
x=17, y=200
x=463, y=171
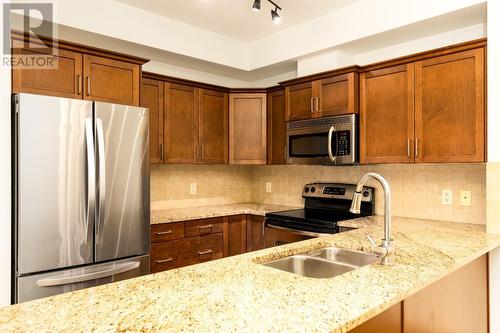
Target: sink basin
x=324, y=263
x=345, y=256
x=310, y=267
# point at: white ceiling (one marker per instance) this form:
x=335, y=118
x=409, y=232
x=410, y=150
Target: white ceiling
x=235, y=18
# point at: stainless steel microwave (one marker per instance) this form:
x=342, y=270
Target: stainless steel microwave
x=323, y=141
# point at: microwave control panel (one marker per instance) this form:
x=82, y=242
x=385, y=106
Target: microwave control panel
x=343, y=143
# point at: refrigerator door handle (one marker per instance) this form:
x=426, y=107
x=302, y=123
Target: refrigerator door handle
x=58, y=281
x=101, y=208
x=90, y=209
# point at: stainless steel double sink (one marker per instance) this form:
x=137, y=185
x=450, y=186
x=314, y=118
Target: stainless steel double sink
x=324, y=263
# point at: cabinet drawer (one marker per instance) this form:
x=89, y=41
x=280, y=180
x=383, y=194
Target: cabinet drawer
x=167, y=232
x=204, y=227
x=168, y=255
x=204, y=248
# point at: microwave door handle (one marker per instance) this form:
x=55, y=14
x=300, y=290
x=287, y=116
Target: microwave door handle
x=330, y=137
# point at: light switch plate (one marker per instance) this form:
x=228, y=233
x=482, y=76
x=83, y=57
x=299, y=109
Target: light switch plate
x=465, y=198
x=269, y=187
x=193, y=188
x=447, y=197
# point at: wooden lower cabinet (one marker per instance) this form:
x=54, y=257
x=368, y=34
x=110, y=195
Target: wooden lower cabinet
x=458, y=303
x=255, y=237
x=180, y=244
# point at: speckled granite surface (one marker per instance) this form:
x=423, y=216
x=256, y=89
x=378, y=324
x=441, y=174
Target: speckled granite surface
x=238, y=295
x=186, y=214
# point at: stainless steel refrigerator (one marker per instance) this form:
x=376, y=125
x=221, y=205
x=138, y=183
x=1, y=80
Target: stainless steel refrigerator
x=81, y=194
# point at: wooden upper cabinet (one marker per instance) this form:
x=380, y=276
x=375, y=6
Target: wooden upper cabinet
x=337, y=95
x=180, y=131
x=213, y=127
x=387, y=115
x=110, y=80
x=63, y=81
x=323, y=97
x=80, y=72
x=450, y=108
x=152, y=98
x=247, y=128
x=299, y=102
x=276, y=127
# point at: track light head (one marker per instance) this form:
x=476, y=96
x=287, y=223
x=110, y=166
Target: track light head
x=256, y=5
x=275, y=16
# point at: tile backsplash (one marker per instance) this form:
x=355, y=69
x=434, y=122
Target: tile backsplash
x=216, y=185
x=416, y=188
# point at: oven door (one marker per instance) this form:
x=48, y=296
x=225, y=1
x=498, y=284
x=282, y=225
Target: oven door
x=323, y=141
x=275, y=235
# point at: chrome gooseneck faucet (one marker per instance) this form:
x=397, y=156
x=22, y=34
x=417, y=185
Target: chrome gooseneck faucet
x=385, y=250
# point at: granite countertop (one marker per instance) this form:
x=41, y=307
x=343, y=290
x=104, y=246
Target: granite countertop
x=196, y=213
x=238, y=294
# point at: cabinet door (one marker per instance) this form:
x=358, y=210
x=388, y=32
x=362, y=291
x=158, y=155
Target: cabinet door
x=255, y=238
x=110, y=80
x=299, y=102
x=450, y=108
x=457, y=303
x=235, y=235
x=247, y=129
x=64, y=81
x=389, y=321
x=152, y=98
x=276, y=127
x=337, y=95
x=180, y=131
x=387, y=115
x=213, y=127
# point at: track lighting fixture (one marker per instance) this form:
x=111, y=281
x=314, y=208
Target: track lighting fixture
x=274, y=12
x=256, y=5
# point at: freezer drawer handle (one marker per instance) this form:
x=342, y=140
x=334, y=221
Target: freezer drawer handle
x=162, y=261
x=121, y=268
x=204, y=252
x=161, y=233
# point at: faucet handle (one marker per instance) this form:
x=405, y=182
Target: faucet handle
x=372, y=242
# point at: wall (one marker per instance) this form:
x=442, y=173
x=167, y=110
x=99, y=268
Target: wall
x=493, y=168
x=416, y=188
x=5, y=193
x=218, y=184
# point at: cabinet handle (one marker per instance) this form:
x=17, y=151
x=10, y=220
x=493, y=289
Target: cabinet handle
x=201, y=152
x=88, y=85
x=204, y=252
x=416, y=147
x=206, y=227
x=312, y=104
x=317, y=104
x=161, y=233
x=196, y=153
x=162, y=261
x=161, y=151
x=408, y=148
x=79, y=84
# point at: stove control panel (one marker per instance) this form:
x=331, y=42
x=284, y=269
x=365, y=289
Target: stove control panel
x=335, y=191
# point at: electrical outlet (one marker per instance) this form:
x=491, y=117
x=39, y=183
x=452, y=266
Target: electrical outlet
x=465, y=198
x=193, y=188
x=447, y=197
x=269, y=187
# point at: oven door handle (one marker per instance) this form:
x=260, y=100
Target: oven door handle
x=330, y=137
x=295, y=231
